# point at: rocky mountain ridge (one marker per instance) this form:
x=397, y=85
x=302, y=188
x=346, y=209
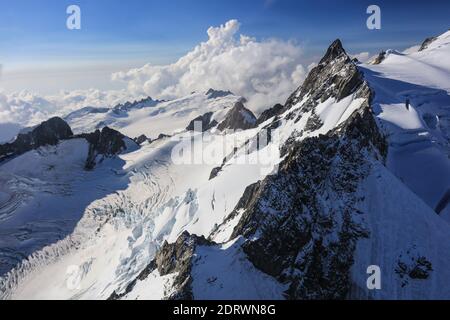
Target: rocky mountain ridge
x=327, y=201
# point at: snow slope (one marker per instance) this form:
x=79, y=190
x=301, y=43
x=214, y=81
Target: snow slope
x=419, y=137
x=161, y=118
x=122, y=212
x=223, y=273
x=402, y=227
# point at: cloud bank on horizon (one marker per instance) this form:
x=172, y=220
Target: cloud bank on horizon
x=25, y=108
x=264, y=72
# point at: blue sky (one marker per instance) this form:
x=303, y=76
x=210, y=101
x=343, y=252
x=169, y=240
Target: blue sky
x=119, y=34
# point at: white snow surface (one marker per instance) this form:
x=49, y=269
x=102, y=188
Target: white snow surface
x=124, y=210
x=224, y=273
x=163, y=118
x=419, y=137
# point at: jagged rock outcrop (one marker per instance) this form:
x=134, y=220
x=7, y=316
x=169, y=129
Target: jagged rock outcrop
x=202, y=123
x=49, y=132
x=214, y=94
x=380, y=58
x=270, y=113
x=107, y=142
x=177, y=257
x=141, y=139
x=298, y=230
x=413, y=265
x=173, y=258
x=302, y=223
x=128, y=106
x=426, y=43
x=314, y=122
x=443, y=203
x=162, y=136
x=335, y=76
x=238, y=118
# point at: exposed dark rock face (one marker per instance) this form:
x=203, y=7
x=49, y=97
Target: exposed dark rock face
x=142, y=276
x=214, y=94
x=443, y=203
x=380, y=58
x=302, y=223
x=49, y=132
x=215, y=172
x=314, y=122
x=173, y=258
x=128, y=106
x=177, y=257
x=334, y=51
x=141, y=139
x=296, y=235
x=270, y=113
x=202, y=122
x=413, y=266
x=238, y=118
x=426, y=43
x=107, y=142
x=162, y=136
x=336, y=76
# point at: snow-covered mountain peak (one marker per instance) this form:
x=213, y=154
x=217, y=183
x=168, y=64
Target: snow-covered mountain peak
x=49, y=132
x=343, y=181
x=161, y=117
x=334, y=51
x=213, y=94
x=238, y=118
x=128, y=106
x=436, y=42
x=411, y=103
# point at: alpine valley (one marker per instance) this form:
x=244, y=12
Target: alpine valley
x=355, y=173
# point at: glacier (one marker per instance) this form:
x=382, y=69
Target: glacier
x=351, y=178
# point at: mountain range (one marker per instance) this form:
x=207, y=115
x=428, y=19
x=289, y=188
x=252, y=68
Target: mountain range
x=198, y=198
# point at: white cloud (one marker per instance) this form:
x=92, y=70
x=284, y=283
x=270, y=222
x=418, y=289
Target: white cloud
x=265, y=72
x=27, y=109
x=362, y=56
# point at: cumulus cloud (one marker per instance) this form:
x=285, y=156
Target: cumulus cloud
x=71, y=100
x=265, y=72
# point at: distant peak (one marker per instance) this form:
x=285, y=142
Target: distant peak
x=334, y=51
x=214, y=94
x=380, y=58
x=238, y=118
x=427, y=42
